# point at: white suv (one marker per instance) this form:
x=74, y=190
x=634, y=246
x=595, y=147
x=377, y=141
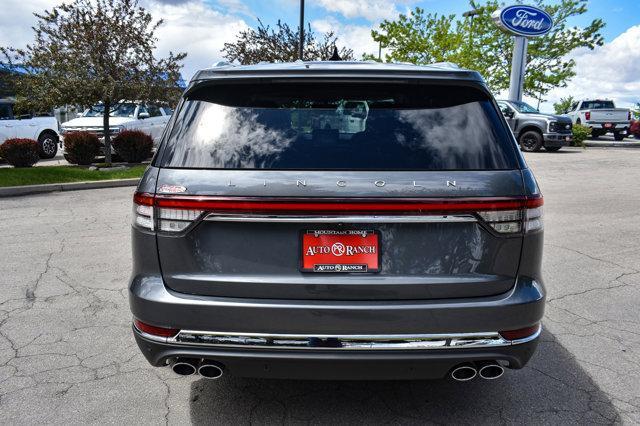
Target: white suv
x=146, y=117
x=42, y=129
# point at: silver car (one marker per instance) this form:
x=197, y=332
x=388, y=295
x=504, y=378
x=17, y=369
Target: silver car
x=337, y=220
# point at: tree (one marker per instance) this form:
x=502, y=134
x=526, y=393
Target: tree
x=7, y=83
x=563, y=105
x=477, y=43
x=266, y=44
x=91, y=51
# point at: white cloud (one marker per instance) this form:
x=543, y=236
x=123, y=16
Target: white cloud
x=371, y=10
x=610, y=71
x=17, y=19
x=189, y=26
x=356, y=37
x=195, y=28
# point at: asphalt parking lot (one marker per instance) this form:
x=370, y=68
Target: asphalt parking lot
x=67, y=355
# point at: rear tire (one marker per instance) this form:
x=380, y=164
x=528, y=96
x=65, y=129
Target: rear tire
x=552, y=148
x=618, y=136
x=531, y=141
x=47, y=144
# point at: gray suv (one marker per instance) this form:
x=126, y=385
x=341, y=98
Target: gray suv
x=535, y=130
x=337, y=220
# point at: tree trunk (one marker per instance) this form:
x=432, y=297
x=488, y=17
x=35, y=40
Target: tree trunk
x=105, y=131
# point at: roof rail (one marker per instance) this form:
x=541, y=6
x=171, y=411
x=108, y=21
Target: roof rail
x=221, y=64
x=445, y=65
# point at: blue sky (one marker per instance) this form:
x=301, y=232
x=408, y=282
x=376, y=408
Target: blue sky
x=201, y=27
x=618, y=14
x=612, y=71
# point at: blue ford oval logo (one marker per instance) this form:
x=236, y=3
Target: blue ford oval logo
x=526, y=21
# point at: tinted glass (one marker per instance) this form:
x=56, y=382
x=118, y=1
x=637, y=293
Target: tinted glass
x=153, y=111
x=504, y=108
x=6, y=112
x=525, y=108
x=120, y=110
x=597, y=105
x=338, y=127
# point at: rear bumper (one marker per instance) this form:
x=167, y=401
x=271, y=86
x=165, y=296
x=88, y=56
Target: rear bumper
x=614, y=126
x=336, y=365
x=153, y=303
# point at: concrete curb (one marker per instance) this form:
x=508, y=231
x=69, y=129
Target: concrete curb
x=607, y=144
x=12, y=191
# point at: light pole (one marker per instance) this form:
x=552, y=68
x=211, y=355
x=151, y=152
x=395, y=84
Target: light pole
x=301, y=50
x=470, y=14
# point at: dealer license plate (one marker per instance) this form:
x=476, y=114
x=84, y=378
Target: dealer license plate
x=351, y=250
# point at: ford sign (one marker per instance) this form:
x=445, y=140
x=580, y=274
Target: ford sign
x=523, y=20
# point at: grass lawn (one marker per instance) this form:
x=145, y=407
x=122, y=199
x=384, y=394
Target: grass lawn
x=63, y=174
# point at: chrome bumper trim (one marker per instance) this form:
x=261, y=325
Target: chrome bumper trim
x=337, y=342
x=218, y=217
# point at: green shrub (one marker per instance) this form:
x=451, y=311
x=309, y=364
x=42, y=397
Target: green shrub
x=133, y=146
x=81, y=147
x=580, y=134
x=20, y=152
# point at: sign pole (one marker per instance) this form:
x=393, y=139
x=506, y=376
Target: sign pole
x=518, y=66
x=523, y=22
x=301, y=42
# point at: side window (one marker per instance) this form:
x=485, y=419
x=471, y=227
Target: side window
x=574, y=106
x=153, y=111
x=6, y=112
x=167, y=111
x=506, y=111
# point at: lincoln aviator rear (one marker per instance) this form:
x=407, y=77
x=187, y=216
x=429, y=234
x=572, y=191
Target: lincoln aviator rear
x=337, y=220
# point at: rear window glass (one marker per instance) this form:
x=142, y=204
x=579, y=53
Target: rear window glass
x=597, y=105
x=338, y=127
x=6, y=112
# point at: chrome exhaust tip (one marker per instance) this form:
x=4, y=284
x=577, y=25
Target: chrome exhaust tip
x=464, y=372
x=490, y=370
x=211, y=370
x=183, y=366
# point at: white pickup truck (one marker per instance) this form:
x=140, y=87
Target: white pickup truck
x=42, y=129
x=602, y=116
x=146, y=117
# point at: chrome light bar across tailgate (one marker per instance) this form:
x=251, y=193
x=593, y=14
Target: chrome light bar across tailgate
x=331, y=342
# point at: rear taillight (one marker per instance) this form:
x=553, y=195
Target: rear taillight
x=149, y=215
x=521, y=333
x=143, y=211
x=176, y=220
x=587, y=115
x=533, y=219
x=174, y=213
x=155, y=330
x=527, y=219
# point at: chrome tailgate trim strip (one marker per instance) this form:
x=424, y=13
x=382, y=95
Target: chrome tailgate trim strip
x=338, y=342
x=217, y=217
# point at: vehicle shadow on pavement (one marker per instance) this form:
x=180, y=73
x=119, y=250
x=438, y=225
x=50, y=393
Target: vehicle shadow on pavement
x=561, y=152
x=552, y=389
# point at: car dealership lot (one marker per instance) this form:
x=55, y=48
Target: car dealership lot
x=67, y=354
